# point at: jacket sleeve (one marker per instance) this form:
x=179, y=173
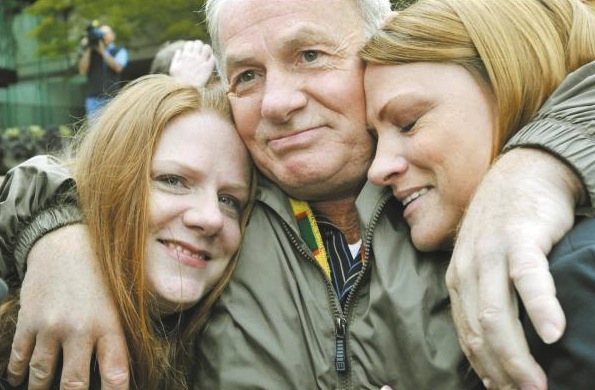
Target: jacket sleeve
x=565, y=126
x=36, y=197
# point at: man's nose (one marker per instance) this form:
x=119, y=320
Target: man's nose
x=284, y=94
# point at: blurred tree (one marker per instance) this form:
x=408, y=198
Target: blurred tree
x=400, y=4
x=63, y=22
x=136, y=22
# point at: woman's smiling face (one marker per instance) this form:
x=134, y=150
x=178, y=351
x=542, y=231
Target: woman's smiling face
x=434, y=123
x=200, y=177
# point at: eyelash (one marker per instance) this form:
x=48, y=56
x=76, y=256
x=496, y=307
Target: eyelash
x=307, y=52
x=234, y=203
x=179, y=184
x=171, y=180
x=407, y=128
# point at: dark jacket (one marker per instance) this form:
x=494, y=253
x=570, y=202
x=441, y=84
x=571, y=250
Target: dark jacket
x=570, y=362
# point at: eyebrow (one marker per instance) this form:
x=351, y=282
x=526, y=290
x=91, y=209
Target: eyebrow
x=398, y=99
x=395, y=100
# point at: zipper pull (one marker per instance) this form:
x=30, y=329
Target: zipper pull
x=340, y=357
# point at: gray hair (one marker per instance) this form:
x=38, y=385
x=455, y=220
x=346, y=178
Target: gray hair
x=373, y=13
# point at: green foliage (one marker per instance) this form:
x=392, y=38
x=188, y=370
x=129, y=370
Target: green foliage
x=400, y=4
x=136, y=22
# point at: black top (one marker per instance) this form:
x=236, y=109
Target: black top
x=570, y=362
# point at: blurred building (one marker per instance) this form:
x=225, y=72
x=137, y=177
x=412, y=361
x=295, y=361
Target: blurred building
x=42, y=99
x=46, y=92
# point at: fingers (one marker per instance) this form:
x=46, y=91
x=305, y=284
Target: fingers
x=43, y=363
x=77, y=353
x=193, y=63
x=535, y=285
x=20, y=355
x=64, y=315
x=486, y=317
x=499, y=322
x=113, y=362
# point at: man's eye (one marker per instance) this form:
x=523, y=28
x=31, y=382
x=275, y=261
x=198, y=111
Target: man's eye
x=245, y=77
x=310, y=55
x=244, y=82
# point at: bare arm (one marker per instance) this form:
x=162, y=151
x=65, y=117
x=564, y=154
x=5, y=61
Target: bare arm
x=109, y=60
x=85, y=61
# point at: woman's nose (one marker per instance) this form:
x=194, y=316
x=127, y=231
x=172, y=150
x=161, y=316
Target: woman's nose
x=389, y=163
x=204, y=214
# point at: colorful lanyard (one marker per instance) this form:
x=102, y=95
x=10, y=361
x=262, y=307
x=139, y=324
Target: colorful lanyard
x=310, y=233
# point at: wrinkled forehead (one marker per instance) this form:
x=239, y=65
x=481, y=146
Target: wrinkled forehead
x=283, y=24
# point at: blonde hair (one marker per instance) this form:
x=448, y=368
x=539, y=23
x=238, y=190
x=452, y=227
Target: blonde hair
x=112, y=169
x=522, y=48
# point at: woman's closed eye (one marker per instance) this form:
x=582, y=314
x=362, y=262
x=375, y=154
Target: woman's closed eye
x=407, y=128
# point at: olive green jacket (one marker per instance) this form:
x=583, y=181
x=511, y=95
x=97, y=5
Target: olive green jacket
x=279, y=324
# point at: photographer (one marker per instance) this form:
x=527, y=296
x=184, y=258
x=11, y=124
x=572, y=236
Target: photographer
x=103, y=62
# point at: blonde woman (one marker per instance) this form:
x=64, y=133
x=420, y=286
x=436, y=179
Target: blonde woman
x=448, y=82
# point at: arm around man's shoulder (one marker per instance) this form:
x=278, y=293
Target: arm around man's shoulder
x=565, y=127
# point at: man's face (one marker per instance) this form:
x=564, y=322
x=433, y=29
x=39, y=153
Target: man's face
x=296, y=89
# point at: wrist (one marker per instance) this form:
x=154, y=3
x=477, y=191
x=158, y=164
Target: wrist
x=554, y=173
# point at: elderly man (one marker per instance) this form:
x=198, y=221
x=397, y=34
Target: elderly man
x=329, y=292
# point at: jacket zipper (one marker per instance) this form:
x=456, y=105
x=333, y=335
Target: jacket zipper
x=340, y=321
x=340, y=353
x=342, y=315
x=367, y=244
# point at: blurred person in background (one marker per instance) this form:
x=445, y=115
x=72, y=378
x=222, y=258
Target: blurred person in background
x=102, y=62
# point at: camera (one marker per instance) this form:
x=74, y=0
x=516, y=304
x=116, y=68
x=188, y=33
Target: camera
x=93, y=34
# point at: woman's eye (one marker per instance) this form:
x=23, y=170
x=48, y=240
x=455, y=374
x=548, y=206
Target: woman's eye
x=406, y=129
x=172, y=181
x=310, y=55
x=230, y=202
